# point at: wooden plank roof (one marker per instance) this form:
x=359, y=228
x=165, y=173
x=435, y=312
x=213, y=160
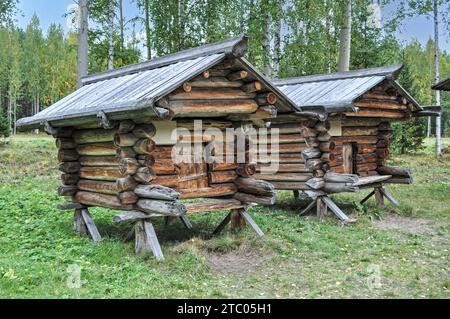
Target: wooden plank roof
x=136, y=88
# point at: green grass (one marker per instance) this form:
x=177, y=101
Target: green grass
x=298, y=258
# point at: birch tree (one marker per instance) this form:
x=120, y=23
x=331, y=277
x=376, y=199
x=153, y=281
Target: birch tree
x=346, y=37
x=436, y=74
x=82, y=59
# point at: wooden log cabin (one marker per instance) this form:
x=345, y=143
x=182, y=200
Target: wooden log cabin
x=348, y=151
x=117, y=148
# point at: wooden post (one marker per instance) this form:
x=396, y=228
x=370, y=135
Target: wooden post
x=321, y=208
x=79, y=225
x=379, y=197
x=237, y=221
x=296, y=194
x=146, y=240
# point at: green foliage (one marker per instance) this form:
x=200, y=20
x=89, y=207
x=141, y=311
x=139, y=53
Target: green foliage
x=408, y=136
x=4, y=126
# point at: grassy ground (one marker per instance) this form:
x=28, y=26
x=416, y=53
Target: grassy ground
x=405, y=254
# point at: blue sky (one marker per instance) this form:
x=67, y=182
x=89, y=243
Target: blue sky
x=52, y=11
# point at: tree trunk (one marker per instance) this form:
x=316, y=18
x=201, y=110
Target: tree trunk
x=122, y=26
x=436, y=68
x=82, y=41
x=266, y=44
x=346, y=38
x=277, y=43
x=111, y=35
x=147, y=29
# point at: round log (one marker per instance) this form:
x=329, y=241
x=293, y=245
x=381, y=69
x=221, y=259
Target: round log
x=161, y=207
x=144, y=175
x=145, y=131
x=101, y=200
x=65, y=143
x=127, y=198
x=157, y=192
x=126, y=184
x=125, y=140
x=100, y=173
x=69, y=179
x=97, y=149
x=93, y=136
x=144, y=146
x=128, y=166
x=68, y=155
x=125, y=152
x=69, y=167
x=98, y=186
x=98, y=160
x=126, y=126
x=254, y=186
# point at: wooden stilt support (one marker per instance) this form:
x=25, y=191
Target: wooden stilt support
x=367, y=197
x=222, y=225
x=238, y=218
x=186, y=222
x=78, y=223
x=321, y=208
x=251, y=222
x=91, y=227
x=308, y=208
x=379, y=196
x=296, y=194
x=146, y=240
x=84, y=224
x=389, y=197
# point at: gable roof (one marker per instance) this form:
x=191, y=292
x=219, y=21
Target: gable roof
x=442, y=86
x=336, y=92
x=134, y=90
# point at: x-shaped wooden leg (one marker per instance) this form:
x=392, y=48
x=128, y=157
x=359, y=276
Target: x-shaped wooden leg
x=239, y=218
x=146, y=239
x=322, y=204
x=84, y=224
x=380, y=193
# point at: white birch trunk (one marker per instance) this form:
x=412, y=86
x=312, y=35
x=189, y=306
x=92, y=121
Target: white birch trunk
x=346, y=38
x=111, y=35
x=82, y=41
x=436, y=66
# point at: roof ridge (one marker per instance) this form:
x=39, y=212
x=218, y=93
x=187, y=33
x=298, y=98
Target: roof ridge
x=236, y=46
x=392, y=70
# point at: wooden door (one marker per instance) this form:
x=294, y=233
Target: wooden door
x=348, y=156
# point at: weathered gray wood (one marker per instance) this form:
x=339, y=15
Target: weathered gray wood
x=316, y=183
x=310, y=152
x=321, y=208
x=156, y=192
x=389, y=197
x=222, y=225
x=368, y=180
x=249, y=198
x=133, y=216
x=92, y=228
x=341, y=178
x=251, y=222
x=254, y=186
x=152, y=240
x=69, y=206
x=335, y=209
x=314, y=194
x=78, y=223
x=379, y=196
x=165, y=208
x=141, y=246
x=308, y=208
x=332, y=188
x=186, y=222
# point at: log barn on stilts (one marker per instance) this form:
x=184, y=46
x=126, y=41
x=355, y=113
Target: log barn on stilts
x=116, y=142
x=348, y=151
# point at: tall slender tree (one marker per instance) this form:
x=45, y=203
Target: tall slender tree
x=346, y=37
x=436, y=74
x=82, y=41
